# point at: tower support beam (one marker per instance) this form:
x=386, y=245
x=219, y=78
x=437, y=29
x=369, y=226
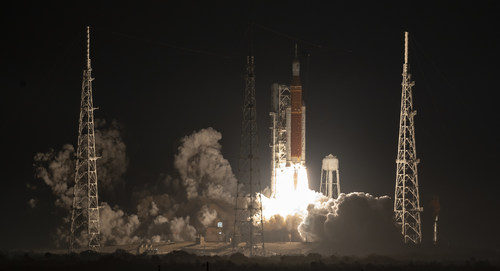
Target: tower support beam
x=248, y=234
x=85, y=226
x=406, y=196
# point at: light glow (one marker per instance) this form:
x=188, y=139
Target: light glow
x=292, y=195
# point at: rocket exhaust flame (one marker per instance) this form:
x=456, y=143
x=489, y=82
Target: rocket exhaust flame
x=293, y=195
x=295, y=179
x=290, y=193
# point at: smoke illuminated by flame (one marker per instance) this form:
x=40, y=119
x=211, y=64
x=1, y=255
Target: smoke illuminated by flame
x=292, y=195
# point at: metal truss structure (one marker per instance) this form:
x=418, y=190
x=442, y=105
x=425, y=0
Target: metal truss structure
x=280, y=112
x=248, y=235
x=85, y=213
x=406, y=197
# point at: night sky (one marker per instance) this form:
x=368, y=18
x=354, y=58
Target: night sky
x=164, y=71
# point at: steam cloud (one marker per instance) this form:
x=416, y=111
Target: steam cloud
x=56, y=169
x=280, y=229
x=354, y=223
x=202, y=168
x=113, y=160
x=200, y=196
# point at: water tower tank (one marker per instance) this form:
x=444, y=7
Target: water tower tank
x=330, y=163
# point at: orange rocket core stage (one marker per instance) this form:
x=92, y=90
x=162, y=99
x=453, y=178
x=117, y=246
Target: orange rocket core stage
x=296, y=119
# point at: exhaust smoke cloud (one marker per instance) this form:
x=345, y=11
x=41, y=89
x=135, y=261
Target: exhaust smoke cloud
x=200, y=196
x=201, y=193
x=353, y=223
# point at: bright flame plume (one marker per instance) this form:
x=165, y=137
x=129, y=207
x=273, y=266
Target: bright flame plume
x=292, y=195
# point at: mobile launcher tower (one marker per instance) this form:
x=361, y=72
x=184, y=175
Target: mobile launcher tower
x=288, y=133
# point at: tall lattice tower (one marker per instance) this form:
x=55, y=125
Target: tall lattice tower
x=406, y=197
x=248, y=221
x=85, y=214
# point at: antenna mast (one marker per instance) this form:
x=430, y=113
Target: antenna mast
x=88, y=48
x=85, y=228
x=406, y=197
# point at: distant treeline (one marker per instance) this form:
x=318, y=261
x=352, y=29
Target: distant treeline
x=181, y=260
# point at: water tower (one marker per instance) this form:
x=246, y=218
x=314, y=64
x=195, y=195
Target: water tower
x=330, y=180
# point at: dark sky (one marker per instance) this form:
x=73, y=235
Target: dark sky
x=164, y=71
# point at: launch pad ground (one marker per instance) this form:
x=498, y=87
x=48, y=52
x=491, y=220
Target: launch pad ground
x=215, y=248
x=207, y=248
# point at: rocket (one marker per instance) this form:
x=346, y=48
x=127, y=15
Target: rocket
x=296, y=121
x=288, y=132
x=297, y=117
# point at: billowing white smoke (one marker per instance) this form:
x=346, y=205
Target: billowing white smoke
x=117, y=227
x=203, y=169
x=56, y=169
x=181, y=230
x=354, y=223
x=279, y=228
x=113, y=160
x=160, y=220
x=207, y=216
x=202, y=194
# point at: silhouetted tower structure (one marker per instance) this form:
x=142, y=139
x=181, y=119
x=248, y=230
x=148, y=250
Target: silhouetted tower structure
x=406, y=197
x=85, y=227
x=248, y=223
x=330, y=177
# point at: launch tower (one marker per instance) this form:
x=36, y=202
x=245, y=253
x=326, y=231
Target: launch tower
x=85, y=213
x=280, y=102
x=248, y=221
x=406, y=197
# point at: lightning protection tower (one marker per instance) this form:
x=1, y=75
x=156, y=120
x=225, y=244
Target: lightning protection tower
x=248, y=234
x=406, y=197
x=330, y=179
x=85, y=214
